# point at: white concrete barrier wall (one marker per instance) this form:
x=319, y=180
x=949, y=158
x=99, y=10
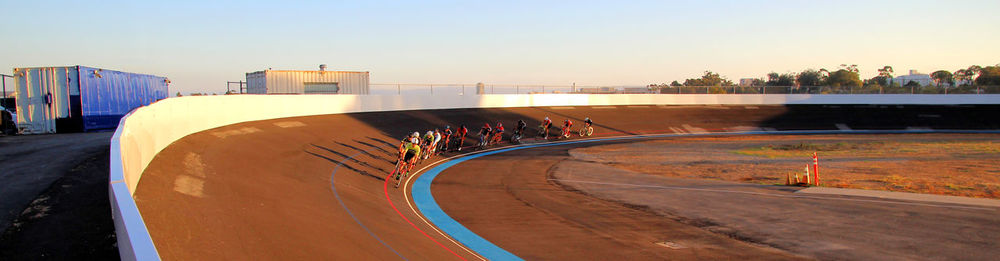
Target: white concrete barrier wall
x=150, y=129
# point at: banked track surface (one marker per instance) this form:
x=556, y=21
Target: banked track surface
x=263, y=189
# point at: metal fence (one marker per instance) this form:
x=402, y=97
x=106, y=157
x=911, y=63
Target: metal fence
x=463, y=89
x=7, y=95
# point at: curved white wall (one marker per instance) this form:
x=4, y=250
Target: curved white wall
x=148, y=130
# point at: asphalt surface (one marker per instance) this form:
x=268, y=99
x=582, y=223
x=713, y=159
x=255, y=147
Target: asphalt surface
x=312, y=188
x=31, y=163
x=54, y=191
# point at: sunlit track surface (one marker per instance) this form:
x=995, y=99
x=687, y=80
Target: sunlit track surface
x=262, y=190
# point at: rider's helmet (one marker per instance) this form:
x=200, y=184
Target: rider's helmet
x=430, y=132
x=547, y=119
x=499, y=124
x=415, y=134
x=414, y=140
x=447, y=127
x=486, y=126
x=587, y=119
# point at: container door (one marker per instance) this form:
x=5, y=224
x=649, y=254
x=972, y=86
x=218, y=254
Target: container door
x=42, y=96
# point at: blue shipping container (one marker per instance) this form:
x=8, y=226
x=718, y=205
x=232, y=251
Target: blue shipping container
x=80, y=98
x=106, y=95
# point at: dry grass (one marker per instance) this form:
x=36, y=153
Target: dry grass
x=946, y=164
x=872, y=149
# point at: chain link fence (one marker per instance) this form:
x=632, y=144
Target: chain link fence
x=471, y=89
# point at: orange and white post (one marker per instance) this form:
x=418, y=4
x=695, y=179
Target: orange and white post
x=815, y=168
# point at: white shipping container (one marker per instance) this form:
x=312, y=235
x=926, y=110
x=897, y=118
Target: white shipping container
x=307, y=82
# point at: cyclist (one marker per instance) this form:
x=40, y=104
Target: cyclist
x=498, y=133
x=412, y=149
x=445, y=136
x=566, y=124
x=587, y=127
x=437, y=141
x=428, y=143
x=545, y=127
x=484, y=134
x=402, y=143
x=519, y=131
x=462, y=131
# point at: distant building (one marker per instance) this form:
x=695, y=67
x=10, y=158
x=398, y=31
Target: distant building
x=597, y=90
x=914, y=76
x=746, y=82
x=636, y=90
x=307, y=82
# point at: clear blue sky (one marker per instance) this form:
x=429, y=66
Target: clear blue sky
x=200, y=45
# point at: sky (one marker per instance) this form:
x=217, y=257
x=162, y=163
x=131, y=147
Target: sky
x=199, y=45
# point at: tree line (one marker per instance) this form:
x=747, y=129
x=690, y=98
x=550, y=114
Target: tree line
x=849, y=76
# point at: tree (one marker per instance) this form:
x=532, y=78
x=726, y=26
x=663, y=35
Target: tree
x=709, y=79
x=885, y=71
x=179, y=94
x=941, y=77
x=675, y=84
x=883, y=78
x=775, y=79
x=962, y=77
x=974, y=70
x=850, y=68
x=844, y=77
x=990, y=75
x=810, y=77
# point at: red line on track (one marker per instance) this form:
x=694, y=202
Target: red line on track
x=385, y=187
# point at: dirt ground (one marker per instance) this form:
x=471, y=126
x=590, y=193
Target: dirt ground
x=945, y=164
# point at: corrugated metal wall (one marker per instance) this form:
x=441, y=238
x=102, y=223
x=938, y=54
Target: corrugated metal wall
x=278, y=82
x=43, y=95
x=106, y=95
x=94, y=98
x=256, y=83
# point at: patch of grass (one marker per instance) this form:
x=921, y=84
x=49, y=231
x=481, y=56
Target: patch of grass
x=957, y=187
x=870, y=149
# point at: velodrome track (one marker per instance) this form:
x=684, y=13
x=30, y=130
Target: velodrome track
x=311, y=187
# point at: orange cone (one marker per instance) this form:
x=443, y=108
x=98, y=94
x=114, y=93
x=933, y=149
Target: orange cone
x=815, y=167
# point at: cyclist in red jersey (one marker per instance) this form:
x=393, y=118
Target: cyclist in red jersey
x=566, y=124
x=460, y=135
x=498, y=133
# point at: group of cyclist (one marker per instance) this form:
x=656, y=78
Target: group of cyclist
x=415, y=147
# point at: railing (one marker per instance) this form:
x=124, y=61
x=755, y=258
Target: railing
x=470, y=89
x=6, y=101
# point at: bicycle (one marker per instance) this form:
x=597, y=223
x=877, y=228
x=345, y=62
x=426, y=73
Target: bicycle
x=482, y=142
x=566, y=132
x=586, y=131
x=496, y=138
x=516, y=137
x=544, y=131
x=400, y=171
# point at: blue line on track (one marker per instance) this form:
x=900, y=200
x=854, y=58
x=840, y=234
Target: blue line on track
x=429, y=208
x=334, y=188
